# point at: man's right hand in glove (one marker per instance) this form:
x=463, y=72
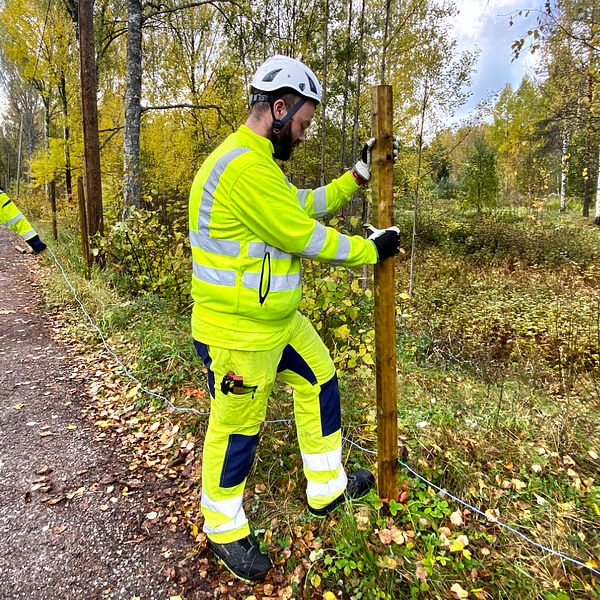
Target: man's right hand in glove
x=387, y=241
x=361, y=171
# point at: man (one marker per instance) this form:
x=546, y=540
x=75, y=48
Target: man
x=249, y=229
x=13, y=218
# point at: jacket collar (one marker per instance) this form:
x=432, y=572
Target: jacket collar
x=256, y=142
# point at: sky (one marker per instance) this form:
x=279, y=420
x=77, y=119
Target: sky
x=484, y=25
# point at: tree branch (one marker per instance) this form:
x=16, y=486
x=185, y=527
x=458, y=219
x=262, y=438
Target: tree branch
x=166, y=11
x=194, y=106
x=113, y=131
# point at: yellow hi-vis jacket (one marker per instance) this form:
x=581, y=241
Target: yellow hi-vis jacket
x=13, y=218
x=249, y=229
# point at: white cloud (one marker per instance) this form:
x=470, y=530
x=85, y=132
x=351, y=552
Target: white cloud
x=484, y=26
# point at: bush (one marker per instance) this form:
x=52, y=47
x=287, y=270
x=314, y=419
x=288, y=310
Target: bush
x=509, y=237
x=150, y=256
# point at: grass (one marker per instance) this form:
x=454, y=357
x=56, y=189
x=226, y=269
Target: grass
x=498, y=403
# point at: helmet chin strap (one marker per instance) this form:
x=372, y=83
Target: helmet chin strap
x=279, y=123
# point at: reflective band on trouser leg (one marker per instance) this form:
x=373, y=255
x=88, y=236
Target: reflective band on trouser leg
x=232, y=437
x=308, y=368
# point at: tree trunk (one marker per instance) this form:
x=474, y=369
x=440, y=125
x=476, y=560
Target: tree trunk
x=131, y=136
x=587, y=187
x=384, y=45
x=89, y=101
x=587, y=194
x=597, y=216
x=324, y=109
x=343, y=165
x=413, y=249
x=46, y=103
x=66, y=136
x=19, y=156
x=361, y=62
x=563, y=173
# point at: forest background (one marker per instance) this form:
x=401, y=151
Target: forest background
x=498, y=304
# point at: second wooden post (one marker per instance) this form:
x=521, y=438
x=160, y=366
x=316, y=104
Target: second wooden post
x=385, y=295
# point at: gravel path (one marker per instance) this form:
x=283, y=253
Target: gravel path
x=67, y=529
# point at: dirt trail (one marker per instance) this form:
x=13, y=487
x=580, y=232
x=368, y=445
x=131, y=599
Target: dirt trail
x=93, y=542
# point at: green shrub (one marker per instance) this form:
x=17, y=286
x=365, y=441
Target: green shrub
x=150, y=256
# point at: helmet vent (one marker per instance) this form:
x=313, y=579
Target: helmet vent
x=271, y=75
x=311, y=83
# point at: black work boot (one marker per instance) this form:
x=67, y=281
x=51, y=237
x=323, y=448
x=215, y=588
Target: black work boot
x=359, y=483
x=243, y=558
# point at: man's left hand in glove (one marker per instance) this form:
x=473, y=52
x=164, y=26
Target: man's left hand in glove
x=36, y=244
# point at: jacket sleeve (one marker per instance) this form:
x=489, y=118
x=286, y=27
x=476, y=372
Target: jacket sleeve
x=328, y=198
x=14, y=219
x=267, y=205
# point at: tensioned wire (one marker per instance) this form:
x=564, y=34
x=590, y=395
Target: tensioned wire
x=440, y=490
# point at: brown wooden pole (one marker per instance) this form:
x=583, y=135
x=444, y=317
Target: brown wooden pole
x=83, y=226
x=89, y=104
x=385, y=295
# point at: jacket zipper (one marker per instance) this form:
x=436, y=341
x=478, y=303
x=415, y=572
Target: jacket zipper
x=266, y=261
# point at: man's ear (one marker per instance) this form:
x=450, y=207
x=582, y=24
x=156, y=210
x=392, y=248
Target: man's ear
x=279, y=108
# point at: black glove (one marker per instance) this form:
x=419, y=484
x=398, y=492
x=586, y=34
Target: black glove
x=362, y=169
x=387, y=241
x=36, y=244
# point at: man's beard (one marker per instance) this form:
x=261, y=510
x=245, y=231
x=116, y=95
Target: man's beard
x=282, y=142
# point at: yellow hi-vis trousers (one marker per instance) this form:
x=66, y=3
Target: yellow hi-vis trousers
x=238, y=409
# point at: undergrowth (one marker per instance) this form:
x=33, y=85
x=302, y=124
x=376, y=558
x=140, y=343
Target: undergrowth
x=498, y=403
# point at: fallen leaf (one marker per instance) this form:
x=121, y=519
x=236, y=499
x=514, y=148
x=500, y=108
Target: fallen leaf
x=458, y=592
x=387, y=562
x=456, y=518
x=387, y=536
x=421, y=573
x=592, y=564
x=193, y=393
x=517, y=484
x=55, y=500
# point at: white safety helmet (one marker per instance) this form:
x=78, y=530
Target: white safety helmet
x=280, y=72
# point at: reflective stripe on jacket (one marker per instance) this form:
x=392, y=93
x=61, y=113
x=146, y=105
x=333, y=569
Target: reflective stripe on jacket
x=249, y=229
x=13, y=218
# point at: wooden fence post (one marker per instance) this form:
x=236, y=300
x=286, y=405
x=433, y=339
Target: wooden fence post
x=83, y=227
x=385, y=296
